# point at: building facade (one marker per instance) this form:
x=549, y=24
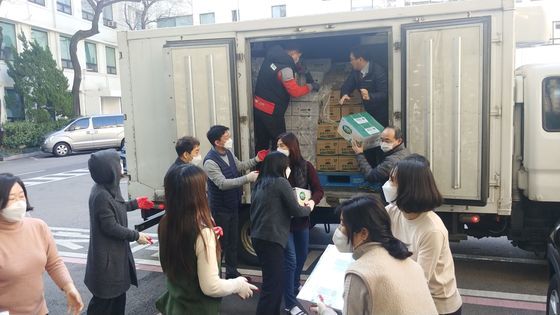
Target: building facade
x=51, y=23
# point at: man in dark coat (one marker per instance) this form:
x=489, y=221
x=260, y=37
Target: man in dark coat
x=392, y=151
x=110, y=268
x=188, y=151
x=371, y=80
x=276, y=83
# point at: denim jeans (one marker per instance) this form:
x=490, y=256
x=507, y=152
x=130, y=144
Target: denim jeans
x=295, y=255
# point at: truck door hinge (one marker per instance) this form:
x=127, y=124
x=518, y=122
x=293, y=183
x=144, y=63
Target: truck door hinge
x=397, y=46
x=497, y=112
x=419, y=19
x=240, y=56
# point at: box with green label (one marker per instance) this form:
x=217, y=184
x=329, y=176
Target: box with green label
x=302, y=195
x=361, y=127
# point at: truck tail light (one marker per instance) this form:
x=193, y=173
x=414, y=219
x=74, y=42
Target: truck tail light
x=469, y=218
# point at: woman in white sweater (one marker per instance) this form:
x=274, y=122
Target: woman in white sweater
x=383, y=280
x=189, y=249
x=413, y=195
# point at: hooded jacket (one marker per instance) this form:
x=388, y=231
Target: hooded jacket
x=276, y=83
x=110, y=268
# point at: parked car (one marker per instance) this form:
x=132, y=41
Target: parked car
x=87, y=133
x=553, y=256
x=123, y=158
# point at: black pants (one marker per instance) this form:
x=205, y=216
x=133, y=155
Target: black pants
x=114, y=306
x=267, y=130
x=229, y=221
x=271, y=258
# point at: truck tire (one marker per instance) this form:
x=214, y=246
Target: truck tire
x=246, y=252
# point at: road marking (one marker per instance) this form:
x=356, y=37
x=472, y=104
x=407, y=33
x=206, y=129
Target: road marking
x=27, y=173
x=55, y=177
x=526, y=261
x=504, y=295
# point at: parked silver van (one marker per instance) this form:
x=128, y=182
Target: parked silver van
x=87, y=133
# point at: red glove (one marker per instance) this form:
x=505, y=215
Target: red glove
x=262, y=154
x=218, y=231
x=144, y=203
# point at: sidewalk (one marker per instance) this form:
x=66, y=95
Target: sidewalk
x=20, y=155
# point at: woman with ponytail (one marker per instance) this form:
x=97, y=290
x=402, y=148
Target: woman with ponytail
x=413, y=195
x=383, y=279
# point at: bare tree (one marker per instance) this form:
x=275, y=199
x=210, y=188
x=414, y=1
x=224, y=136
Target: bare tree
x=97, y=6
x=140, y=15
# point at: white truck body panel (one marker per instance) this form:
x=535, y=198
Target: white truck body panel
x=179, y=81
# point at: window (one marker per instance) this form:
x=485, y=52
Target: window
x=14, y=105
x=278, y=11
x=175, y=21
x=234, y=15
x=551, y=104
x=9, y=41
x=108, y=16
x=40, y=2
x=108, y=122
x=91, y=57
x=64, y=6
x=358, y=5
x=40, y=37
x=87, y=11
x=82, y=123
x=65, y=61
x=207, y=18
x=111, y=60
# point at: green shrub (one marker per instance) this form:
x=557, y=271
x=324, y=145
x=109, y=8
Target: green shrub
x=23, y=134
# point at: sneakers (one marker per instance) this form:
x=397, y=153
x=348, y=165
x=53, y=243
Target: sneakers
x=296, y=311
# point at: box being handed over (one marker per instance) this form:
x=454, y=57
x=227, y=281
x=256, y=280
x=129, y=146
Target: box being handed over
x=361, y=127
x=302, y=195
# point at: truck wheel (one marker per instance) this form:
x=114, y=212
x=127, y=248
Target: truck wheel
x=246, y=252
x=552, y=298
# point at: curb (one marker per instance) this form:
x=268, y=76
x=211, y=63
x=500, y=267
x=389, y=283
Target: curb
x=20, y=156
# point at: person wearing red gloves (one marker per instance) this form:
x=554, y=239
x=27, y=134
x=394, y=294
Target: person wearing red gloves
x=276, y=84
x=110, y=268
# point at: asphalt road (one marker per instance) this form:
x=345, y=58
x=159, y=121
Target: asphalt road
x=493, y=276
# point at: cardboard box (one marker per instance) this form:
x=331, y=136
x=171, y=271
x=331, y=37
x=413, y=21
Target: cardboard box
x=362, y=128
x=355, y=98
x=302, y=123
x=346, y=110
x=327, y=131
x=319, y=64
x=302, y=195
x=304, y=108
x=334, y=112
x=345, y=147
x=327, y=147
x=327, y=163
x=348, y=164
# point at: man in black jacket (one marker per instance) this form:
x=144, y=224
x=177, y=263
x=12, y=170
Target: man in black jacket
x=276, y=83
x=371, y=80
x=393, y=150
x=188, y=151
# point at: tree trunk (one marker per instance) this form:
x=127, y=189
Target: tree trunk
x=76, y=38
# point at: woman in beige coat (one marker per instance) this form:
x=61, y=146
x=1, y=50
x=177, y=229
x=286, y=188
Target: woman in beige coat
x=383, y=279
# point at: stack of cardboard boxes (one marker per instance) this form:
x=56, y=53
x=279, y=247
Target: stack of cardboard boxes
x=335, y=154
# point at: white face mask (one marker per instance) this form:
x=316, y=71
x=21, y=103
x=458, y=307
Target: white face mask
x=389, y=191
x=286, y=152
x=288, y=172
x=386, y=147
x=15, y=212
x=196, y=160
x=341, y=242
x=229, y=144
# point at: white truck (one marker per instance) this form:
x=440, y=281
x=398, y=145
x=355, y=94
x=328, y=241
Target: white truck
x=489, y=130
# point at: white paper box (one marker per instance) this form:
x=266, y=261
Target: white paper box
x=302, y=195
x=327, y=280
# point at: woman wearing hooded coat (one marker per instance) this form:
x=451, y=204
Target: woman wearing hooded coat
x=110, y=268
